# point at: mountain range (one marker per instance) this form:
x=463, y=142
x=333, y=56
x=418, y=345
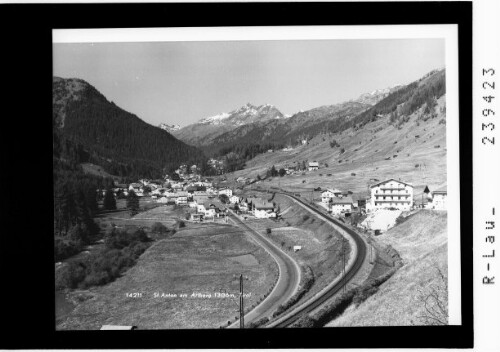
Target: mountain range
x=87, y=128
x=263, y=124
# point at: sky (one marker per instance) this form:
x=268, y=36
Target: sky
x=183, y=82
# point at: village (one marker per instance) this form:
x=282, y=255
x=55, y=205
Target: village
x=211, y=198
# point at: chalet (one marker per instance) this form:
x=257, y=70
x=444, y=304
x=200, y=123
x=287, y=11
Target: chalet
x=439, y=199
x=243, y=206
x=200, y=208
x=181, y=200
x=329, y=194
x=341, y=205
x=136, y=187
x=263, y=209
x=391, y=194
x=234, y=199
x=213, y=208
x=313, y=166
x=326, y=196
x=227, y=191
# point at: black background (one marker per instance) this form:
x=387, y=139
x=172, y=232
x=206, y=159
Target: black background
x=26, y=247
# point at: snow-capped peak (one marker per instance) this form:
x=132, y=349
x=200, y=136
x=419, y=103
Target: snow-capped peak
x=216, y=118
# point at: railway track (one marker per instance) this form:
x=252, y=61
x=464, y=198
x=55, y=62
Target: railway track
x=353, y=270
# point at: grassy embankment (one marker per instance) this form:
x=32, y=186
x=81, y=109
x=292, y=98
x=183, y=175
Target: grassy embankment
x=422, y=243
x=202, y=259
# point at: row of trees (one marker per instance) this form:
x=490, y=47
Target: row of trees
x=75, y=205
x=120, y=252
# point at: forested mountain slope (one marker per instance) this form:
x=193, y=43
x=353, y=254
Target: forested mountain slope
x=89, y=128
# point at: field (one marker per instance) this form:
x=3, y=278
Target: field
x=416, y=153
x=422, y=243
x=321, y=244
x=200, y=260
x=168, y=215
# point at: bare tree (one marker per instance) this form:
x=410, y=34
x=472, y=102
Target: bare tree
x=435, y=301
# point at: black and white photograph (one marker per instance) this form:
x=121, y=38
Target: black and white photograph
x=256, y=178
x=257, y=175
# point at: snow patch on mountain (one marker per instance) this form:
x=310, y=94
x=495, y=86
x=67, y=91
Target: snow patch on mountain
x=169, y=128
x=216, y=119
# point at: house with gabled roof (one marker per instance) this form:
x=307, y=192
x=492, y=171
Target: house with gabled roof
x=329, y=194
x=439, y=199
x=313, y=166
x=340, y=205
x=391, y=193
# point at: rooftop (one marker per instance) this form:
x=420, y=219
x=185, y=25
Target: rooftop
x=391, y=179
x=344, y=200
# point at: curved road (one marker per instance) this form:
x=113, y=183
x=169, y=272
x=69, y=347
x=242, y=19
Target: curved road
x=337, y=285
x=288, y=281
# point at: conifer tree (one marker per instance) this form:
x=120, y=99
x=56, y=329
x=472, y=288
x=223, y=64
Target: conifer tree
x=132, y=202
x=109, y=200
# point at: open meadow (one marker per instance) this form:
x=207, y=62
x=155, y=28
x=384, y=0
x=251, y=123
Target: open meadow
x=201, y=260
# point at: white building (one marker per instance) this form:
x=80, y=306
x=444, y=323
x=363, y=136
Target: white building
x=313, y=166
x=263, y=210
x=227, y=191
x=136, y=187
x=234, y=199
x=329, y=194
x=439, y=199
x=341, y=205
x=200, y=208
x=182, y=200
x=391, y=194
x=326, y=196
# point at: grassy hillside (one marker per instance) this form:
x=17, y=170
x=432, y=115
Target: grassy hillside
x=422, y=243
x=414, y=151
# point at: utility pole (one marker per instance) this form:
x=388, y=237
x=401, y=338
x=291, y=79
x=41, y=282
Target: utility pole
x=242, y=310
